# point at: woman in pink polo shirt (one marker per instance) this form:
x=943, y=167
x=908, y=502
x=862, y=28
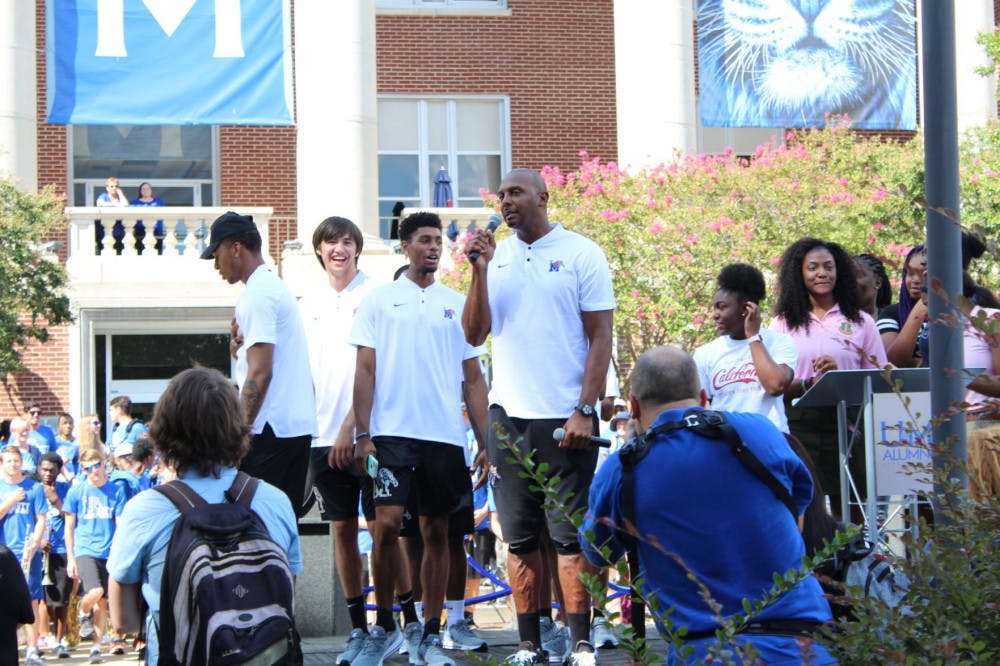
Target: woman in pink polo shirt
x=818, y=305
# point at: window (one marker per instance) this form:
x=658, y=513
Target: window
x=433, y=4
x=468, y=136
x=179, y=162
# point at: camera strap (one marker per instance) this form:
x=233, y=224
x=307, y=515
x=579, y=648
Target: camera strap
x=708, y=424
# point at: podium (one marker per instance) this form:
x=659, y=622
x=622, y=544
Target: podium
x=849, y=388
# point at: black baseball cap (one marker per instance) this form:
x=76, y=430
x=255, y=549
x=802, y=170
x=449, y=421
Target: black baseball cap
x=228, y=224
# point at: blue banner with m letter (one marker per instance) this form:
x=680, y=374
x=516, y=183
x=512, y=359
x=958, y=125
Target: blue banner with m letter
x=169, y=62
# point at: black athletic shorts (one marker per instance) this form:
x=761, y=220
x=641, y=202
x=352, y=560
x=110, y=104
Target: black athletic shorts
x=521, y=509
x=338, y=490
x=435, y=472
x=93, y=574
x=460, y=520
x=57, y=594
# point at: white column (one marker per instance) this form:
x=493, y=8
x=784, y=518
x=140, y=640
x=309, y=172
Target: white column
x=336, y=113
x=976, y=94
x=654, y=73
x=18, y=140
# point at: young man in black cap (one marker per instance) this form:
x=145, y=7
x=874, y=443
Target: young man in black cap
x=272, y=359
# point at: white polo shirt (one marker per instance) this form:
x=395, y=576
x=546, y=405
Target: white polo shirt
x=328, y=316
x=537, y=293
x=419, y=349
x=266, y=312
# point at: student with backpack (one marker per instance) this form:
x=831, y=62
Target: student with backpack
x=201, y=433
x=126, y=430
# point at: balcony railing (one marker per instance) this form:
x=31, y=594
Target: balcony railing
x=104, y=234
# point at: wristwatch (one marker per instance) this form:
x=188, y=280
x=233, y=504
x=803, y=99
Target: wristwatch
x=755, y=338
x=585, y=409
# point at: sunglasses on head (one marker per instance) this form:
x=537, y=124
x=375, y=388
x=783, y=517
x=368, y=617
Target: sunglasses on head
x=92, y=467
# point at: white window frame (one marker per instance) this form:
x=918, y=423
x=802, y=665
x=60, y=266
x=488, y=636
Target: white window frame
x=442, y=7
x=94, y=186
x=422, y=152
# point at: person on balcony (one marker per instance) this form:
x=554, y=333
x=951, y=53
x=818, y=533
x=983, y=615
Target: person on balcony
x=146, y=199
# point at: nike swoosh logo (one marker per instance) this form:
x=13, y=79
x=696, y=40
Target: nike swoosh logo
x=396, y=305
x=503, y=265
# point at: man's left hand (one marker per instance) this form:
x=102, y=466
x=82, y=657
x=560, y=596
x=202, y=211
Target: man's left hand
x=579, y=430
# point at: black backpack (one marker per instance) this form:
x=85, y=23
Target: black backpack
x=227, y=595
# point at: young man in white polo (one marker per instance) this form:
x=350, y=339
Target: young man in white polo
x=413, y=369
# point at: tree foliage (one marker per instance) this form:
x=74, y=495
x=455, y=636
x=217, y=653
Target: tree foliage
x=668, y=230
x=31, y=295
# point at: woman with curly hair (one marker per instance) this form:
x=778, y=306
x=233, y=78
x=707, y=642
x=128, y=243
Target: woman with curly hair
x=746, y=368
x=818, y=306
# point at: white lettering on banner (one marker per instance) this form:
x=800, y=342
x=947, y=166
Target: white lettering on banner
x=169, y=14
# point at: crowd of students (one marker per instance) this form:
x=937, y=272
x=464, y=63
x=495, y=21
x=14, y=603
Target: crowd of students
x=61, y=498
x=390, y=443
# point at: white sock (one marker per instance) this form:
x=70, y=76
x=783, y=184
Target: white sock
x=420, y=611
x=456, y=611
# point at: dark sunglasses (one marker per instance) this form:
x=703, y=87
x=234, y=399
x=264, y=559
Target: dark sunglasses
x=35, y=412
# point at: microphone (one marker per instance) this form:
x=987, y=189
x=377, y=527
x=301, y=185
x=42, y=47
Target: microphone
x=559, y=433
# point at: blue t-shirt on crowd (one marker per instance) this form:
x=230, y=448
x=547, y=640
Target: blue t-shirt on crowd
x=55, y=524
x=70, y=454
x=96, y=509
x=43, y=438
x=127, y=481
x=20, y=521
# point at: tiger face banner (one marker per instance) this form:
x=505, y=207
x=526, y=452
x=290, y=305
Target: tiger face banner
x=169, y=62
x=789, y=63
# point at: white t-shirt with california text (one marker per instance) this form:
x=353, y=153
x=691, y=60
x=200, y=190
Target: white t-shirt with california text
x=728, y=375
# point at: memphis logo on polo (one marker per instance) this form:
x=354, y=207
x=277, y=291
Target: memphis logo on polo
x=169, y=62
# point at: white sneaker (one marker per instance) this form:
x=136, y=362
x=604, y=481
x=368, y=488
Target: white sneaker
x=31, y=658
x=584, y=654
x=527, y=655
x=95, y=655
